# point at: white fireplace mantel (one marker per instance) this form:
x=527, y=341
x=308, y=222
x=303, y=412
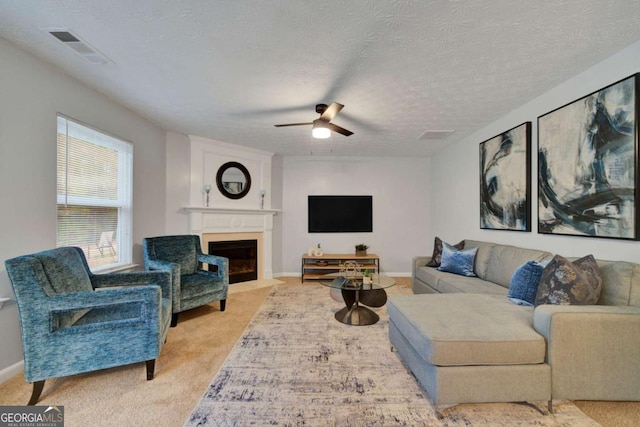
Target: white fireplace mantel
x=203, y=220
x=190, y=209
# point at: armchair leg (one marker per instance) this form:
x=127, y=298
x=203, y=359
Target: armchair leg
x=151, y=367
x=174, y=320
x=37, y=391
x=223, y=304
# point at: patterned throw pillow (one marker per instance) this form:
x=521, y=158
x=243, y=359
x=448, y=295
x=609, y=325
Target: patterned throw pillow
x=524, y=283
x=458, y=261
x=437, y=252
x=570, y=283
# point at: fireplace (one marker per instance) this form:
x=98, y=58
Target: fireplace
x=243, y=258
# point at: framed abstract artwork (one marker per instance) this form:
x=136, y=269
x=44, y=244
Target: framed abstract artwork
x=505, y=180
x=587, y=165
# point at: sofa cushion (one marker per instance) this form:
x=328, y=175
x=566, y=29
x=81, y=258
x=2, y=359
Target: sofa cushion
x=437, y=252
x=565, y=282
x=505, y=259
x=482, y=257
x=458, y=261
x=619, y=280
x=453, y=283
x=524, y=283
x=467, y=329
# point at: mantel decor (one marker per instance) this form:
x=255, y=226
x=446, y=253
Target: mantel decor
x=587, y=165
x=505, y=180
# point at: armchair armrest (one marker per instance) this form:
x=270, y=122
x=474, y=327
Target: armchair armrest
x=55, y=310
x=221, y=262
x=594, y=351
x=418, y=261
x=160, y=278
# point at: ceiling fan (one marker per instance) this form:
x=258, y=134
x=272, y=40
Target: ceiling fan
x=322, y=126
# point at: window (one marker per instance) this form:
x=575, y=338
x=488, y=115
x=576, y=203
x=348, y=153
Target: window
x=94, y=194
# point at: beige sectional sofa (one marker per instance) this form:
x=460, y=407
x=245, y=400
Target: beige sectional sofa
x=467, y=343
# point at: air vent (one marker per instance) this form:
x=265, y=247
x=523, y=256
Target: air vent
x=436, y=134
x=80, y=47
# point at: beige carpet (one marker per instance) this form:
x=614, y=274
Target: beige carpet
x=190, y=359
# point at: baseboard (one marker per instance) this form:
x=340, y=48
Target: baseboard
x=11, y=371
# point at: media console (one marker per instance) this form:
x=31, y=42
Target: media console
x=314, y=267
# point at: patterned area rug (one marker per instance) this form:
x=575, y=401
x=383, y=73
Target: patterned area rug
x=296, y=365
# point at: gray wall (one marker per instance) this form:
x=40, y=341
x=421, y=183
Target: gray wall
x=455, y=170
x=32, y=93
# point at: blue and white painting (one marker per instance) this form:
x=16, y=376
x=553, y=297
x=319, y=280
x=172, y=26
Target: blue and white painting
x=587, y=165
x=505, y=180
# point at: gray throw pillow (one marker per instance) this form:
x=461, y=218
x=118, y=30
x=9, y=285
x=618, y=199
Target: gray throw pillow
x=570, y=283
x=436, y=258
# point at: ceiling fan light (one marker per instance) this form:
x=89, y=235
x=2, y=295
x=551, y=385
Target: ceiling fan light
x=320, y=131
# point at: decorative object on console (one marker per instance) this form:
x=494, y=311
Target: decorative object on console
x=505, y=180
x=524, y=283
x=437, y=252
x=207, y=189
x=587, y=165
x=361, y=249
x=457, y=261
x=317, y=251
x=570, y=283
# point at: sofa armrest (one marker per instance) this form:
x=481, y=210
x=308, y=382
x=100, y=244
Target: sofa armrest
x=418, y=261
x=593, y=351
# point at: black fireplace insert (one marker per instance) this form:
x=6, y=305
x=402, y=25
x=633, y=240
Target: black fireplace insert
x=243, y=258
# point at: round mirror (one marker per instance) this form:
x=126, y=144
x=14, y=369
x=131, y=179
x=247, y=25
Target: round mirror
x=233, y=180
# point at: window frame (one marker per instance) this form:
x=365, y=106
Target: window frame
x=124, y=201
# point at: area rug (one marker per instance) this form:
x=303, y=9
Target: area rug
x=295, y=365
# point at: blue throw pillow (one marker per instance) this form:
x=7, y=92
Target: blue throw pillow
x=458, y=261
x=524, y=283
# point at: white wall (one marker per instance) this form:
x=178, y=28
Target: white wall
x=178, y=182
x=401, y=215
x=455, y=206
x=32, y=93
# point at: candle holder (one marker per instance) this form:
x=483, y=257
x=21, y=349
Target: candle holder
x=262, y=193
x=207, y=189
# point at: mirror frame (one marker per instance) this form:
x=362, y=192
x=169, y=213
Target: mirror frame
x=244, y=171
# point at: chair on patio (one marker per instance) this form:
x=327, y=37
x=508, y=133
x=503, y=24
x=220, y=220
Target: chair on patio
x=73, y=321
x=192, y=286
x=104, y=242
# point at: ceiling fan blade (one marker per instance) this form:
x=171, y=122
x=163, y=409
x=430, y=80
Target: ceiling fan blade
x=339, y=130
x=293, y=124
x=331, y=111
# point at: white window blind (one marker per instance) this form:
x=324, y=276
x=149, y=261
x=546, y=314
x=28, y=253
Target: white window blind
x=94, y=183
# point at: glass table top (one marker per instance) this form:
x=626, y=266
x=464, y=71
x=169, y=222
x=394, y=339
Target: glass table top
x=340, y=281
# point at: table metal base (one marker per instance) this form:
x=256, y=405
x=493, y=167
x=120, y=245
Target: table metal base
x=357, y=315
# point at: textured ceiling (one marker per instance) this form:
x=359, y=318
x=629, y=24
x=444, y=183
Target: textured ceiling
x=230, y=70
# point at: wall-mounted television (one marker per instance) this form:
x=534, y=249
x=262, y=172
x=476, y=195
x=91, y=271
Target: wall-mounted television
x=340, y=214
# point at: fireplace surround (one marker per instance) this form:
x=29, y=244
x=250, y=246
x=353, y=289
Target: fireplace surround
x=220, y=224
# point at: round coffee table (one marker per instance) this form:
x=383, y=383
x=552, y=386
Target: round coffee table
x=357, y=296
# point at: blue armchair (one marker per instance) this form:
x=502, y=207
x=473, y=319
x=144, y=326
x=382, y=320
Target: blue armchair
x=182, y=257
x=73, y=321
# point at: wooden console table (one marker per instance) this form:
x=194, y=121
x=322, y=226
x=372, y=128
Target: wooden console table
x=314, y=267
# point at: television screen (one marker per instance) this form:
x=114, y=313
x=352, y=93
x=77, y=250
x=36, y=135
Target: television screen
x=340, y=214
